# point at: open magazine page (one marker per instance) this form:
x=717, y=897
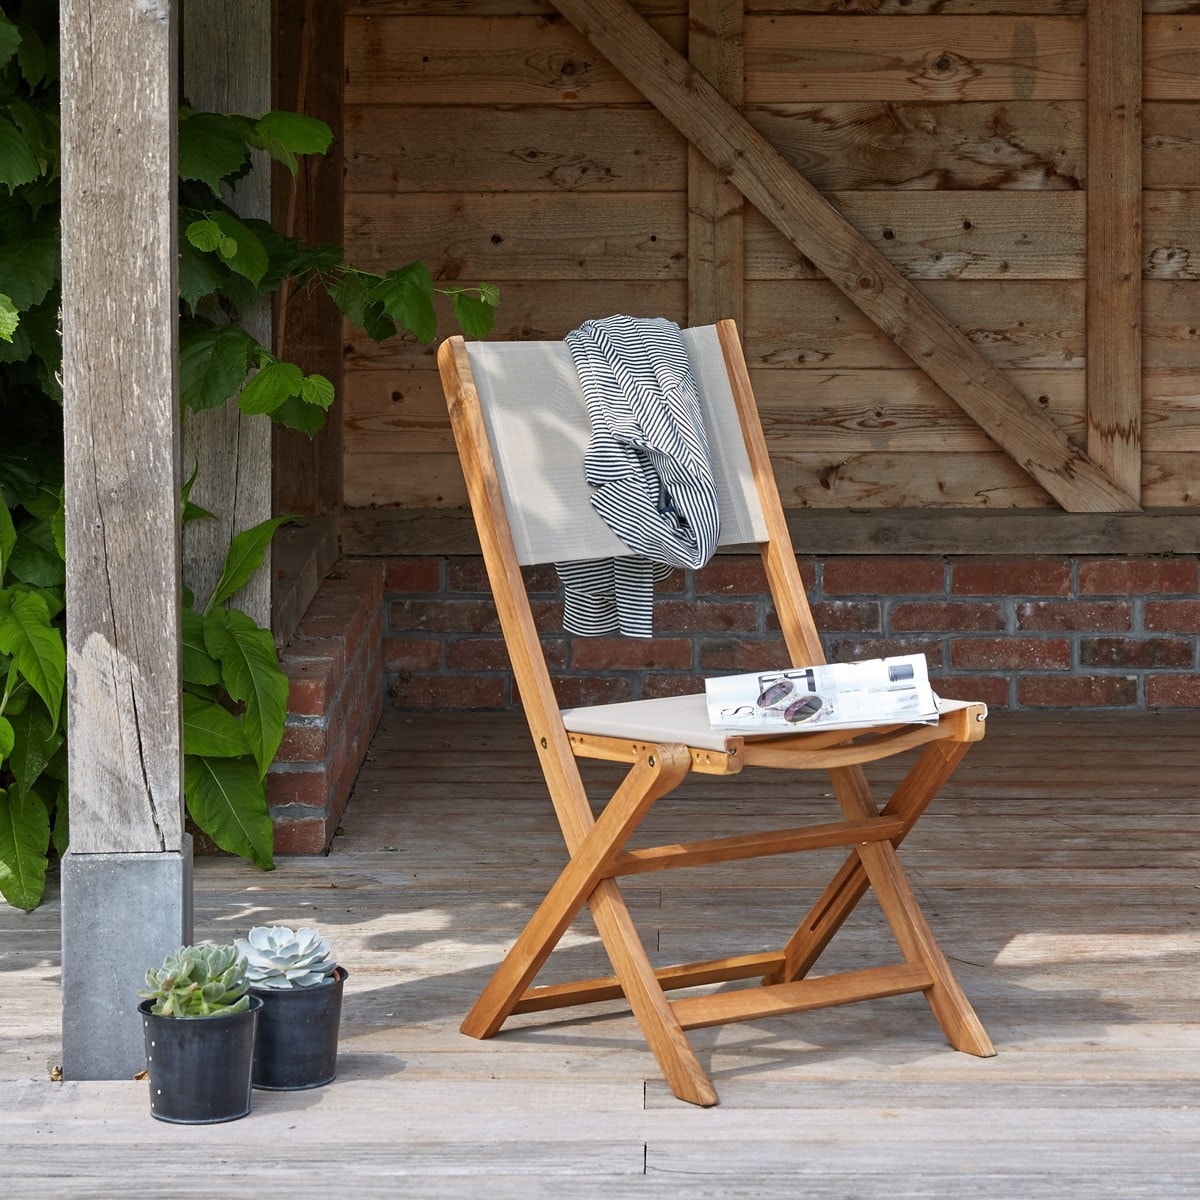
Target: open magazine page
x=834, y=696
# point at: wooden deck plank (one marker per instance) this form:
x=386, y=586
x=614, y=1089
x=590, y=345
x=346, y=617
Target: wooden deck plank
x=1059, y=871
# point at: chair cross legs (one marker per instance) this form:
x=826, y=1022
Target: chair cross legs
x=521, y=428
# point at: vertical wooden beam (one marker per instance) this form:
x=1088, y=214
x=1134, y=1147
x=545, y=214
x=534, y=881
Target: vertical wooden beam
x=126, y=882
x=308, y=331
x=227, y=68
x=716, y=256
x=1114, y=240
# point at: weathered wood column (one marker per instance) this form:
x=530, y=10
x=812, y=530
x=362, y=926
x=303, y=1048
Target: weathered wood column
x=127, y=875
x=227, y=68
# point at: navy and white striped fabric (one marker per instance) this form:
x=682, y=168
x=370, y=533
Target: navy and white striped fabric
x=648, y=460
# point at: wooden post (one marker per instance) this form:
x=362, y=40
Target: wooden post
x=126, y=878
x=227, y=68
x=716, y=251
x=1114, y=241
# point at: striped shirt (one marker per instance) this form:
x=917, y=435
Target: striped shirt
x=648, y=461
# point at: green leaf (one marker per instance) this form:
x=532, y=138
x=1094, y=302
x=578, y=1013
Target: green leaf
x=36, y=744
x=490, y=294
x=35, y=558
x=273, y=384
x=406, y=295
x=58, y=527
x=293, y=413
x=316, y=389
x=29, y=264
x=211, y=730
x=200, y=274
x=36, y=648
x=240, y=248
x=31, y=55
x=244, y=557
x=198, y=665
x=476, y=317
x=283, y=135
x=8, y=739
x=250, y=673
x=10, y=39
x=24, y=838
x=213, y=361
x=212, y=148
x=188, y=510
x=205, y=235
x=8, y=536
x=17, y=162
x=227, y=798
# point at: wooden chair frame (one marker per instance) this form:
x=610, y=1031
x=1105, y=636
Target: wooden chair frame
x=597, y=845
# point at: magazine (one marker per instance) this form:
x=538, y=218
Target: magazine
x=835, y=696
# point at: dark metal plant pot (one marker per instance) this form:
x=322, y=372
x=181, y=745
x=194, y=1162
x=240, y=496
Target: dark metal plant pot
x=200, y=1067
x=298, y=1035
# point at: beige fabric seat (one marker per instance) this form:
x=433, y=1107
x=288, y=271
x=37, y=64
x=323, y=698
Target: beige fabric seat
x=521, y=428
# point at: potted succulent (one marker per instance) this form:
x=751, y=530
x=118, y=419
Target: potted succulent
x=199, y=1022
x=294, y=974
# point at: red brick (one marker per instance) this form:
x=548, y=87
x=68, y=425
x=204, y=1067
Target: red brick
x=631, y=654
x=477, y=654
x=330, y=650
x=884, y=576
x=732, y=575
x=448, y=691
x=742, y=654
x=309, y=835
x=1014, y=653
x=1172, y=616
x=687, y=684
x=705, y=616
x=311, y=685
x=412, y=654
x=992, y=690
x=1060, y=615
x=542, y=578
x=467, y=575
x=547, y=616
x=1010, y=577
x=413, y=575
x=305, y=743
x=578, y=691
x=1077, y=691
x=856, y=649
x=444, y=616
x=1173, y=691
x=945, y=616
x=1136, y=652
x=842, y=616
x=1137, y=576
x=310, y=789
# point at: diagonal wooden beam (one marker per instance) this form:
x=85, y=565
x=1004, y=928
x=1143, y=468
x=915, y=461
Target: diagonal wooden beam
x=817, y=230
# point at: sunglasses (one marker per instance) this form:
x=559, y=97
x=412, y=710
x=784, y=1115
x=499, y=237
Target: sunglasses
x=796, y=706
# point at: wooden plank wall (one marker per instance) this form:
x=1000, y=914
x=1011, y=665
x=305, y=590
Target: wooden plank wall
x=488, y=138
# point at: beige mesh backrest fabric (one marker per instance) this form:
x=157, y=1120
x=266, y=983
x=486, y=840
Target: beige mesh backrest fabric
x=537, y=423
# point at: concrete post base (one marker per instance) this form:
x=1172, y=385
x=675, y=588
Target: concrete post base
x=121, y=914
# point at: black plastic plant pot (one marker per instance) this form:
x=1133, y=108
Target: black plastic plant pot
x=298, y=1035
x=200, y=1068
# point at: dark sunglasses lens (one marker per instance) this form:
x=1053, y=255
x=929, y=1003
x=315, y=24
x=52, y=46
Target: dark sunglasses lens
x=802, y=709
x=775, y=693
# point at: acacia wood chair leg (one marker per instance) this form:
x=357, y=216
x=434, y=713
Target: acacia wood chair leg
x=631, y=965
x=650, y=778
x=936, y=763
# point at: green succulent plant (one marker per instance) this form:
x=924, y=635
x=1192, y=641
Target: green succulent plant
x=199, y=981
x=279, y=957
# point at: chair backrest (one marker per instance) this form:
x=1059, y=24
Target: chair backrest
x=520, y=424
x=537, y=423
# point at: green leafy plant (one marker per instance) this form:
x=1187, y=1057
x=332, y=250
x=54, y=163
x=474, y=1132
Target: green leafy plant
x=198, y=981
x=235, y=696
x=281, y=958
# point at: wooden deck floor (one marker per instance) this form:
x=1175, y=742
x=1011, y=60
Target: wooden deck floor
x=1060, y=871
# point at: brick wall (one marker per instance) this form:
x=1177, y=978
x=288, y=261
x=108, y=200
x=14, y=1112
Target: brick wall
x=334, y=664
x=1017, y=632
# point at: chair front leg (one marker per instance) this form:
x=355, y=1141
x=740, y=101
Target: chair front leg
x=656, y=773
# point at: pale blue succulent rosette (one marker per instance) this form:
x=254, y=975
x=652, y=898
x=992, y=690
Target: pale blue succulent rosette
x=282, y=958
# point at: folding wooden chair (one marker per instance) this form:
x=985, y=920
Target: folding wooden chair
x=521, y=429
